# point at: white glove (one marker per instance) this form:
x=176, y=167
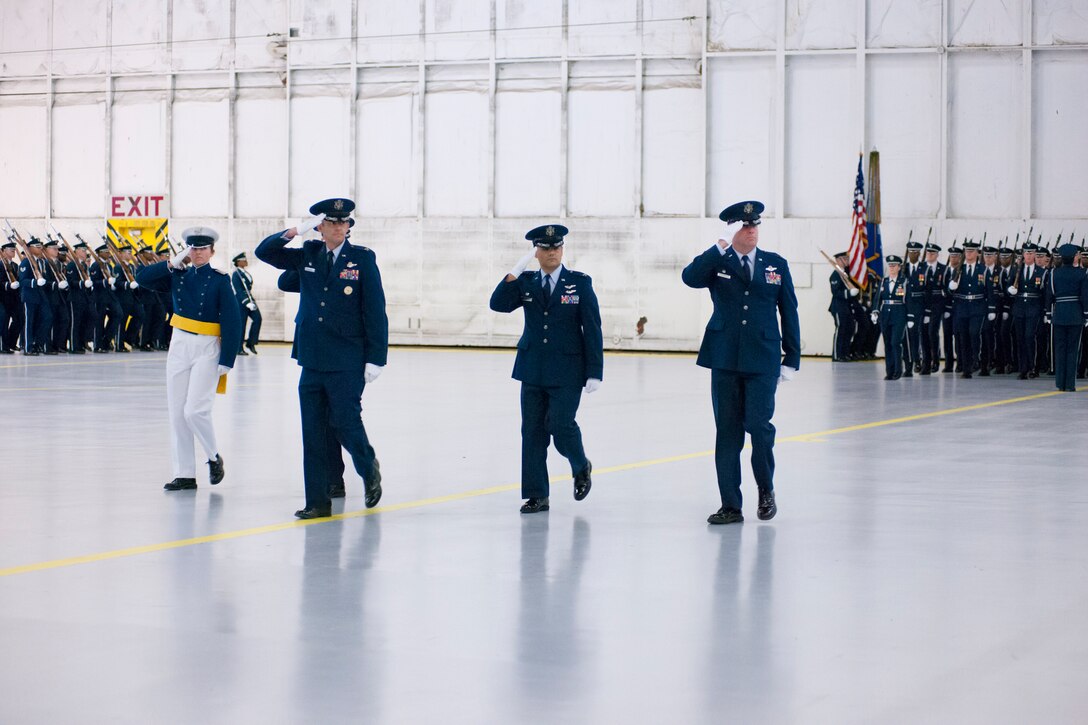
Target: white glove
x=15, y=284
x=592, y=385
x=113, y=281
x=133, y=285
x=178, y=260
x=854, y=291
x=251, y=307
x=925, y=320
x=1004, y=315
x=992, y=316
x=309, y=223
x=222, y=370
x=953, y=285
x=41, y=281
x=371, y=372
x=63, y=284
x=947, y=315
x=1011, y=291
x=88, y=283
x=786, y=373
x=518, y=268
x=910, y=324
x=874, y=317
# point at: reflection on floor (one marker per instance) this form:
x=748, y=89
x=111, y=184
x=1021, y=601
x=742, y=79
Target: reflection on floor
x=928, y=568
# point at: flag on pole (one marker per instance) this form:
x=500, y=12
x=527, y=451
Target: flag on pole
x=858, y=249
x=874, y=255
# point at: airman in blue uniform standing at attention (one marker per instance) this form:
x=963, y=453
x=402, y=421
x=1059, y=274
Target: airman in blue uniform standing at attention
x=561, y=351
x=1067, y=298
x=341, y=342
x=746, y=353
x=893, y=313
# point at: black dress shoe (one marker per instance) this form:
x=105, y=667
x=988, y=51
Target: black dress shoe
x=78, y=351
x=101, y=350
x=582, y=482
x=1033, y=375
x=215, y=469
x=917, y=367
x=1022, y=376
x=337, y=490
x=146, y=347
x=7, y=352
x=535, y=505
x=936, y=367
x=889, y=377
x=373, y=485
x=946, y=369
x=314, y=513
x=32, y=353
x=897, y=376
x=908, y=374
x=967, y=375
x=959, y=367
x=242, y=352
x=123, y=349
x=252, y=348
x=984, y=373
x=767, y=507
x=51, y=352
x=180, y=484
x=725, y=516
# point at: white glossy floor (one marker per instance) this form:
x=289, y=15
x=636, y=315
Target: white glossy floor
x=932, y=567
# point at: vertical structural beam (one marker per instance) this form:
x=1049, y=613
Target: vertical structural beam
x=639, y=108
x=862, y=78
x=564, y=113
x=49, y=98
x=288, y=82
x=1028, y=173
x=232, y=125
x=780, y=111
x=421, y=136
x=945, y=105
x=171, y=79
x=107, y=125
x=492, y=81
x=704, y=73
x=353, y=98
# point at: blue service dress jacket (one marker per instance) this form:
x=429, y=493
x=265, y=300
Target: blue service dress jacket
x=30, y=292
x=743, y=333
x=1067, y=295
x=202, y=294
x=561, y=344
x=341, y=322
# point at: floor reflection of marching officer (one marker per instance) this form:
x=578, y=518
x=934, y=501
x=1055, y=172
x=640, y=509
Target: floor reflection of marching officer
x=202, y=350
x=747, y=354
x=560, y=353
x=1066, y=296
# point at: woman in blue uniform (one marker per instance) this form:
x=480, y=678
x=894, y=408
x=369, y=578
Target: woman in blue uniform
x=202, y=349
x=893, y=316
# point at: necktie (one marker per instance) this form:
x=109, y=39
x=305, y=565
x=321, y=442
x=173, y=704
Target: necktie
x=547, y=287
x=747, y=270
x=329, y=261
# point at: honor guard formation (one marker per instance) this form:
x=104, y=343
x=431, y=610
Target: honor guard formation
x=984, y=311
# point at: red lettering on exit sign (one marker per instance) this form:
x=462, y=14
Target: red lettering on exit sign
x=136, y=206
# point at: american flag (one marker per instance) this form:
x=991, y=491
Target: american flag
x=859, y=241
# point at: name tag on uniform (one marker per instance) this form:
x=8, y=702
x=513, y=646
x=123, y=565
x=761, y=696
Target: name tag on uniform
x=568, y=299
x=349, y=274
x=307, y=269
x=724, y=275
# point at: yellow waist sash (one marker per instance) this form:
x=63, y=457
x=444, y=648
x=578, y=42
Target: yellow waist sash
x=195, y=326
x=201, y=328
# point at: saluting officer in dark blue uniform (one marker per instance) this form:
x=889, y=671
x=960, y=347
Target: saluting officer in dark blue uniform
x=560, y=351
x=34, y=277
x=342, y=340
x=893, y=314
x=970, y=306
x=1026, y=294
x=841, y=310
x=1067, y=298
x=751, y=289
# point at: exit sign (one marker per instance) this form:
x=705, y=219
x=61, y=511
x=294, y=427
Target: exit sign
x=138, y=206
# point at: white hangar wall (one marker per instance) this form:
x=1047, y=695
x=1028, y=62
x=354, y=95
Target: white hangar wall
x=458, y=124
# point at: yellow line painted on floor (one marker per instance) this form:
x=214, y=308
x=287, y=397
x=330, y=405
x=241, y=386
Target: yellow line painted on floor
x=419, y=503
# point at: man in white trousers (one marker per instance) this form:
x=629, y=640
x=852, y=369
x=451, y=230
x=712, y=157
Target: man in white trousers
x=202, y=349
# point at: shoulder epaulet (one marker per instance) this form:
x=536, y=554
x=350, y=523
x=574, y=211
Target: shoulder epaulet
x=576, y=273
x=527, y=273
x=219, y=271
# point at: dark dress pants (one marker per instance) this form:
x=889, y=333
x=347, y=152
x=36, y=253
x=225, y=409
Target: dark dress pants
x=894, y=331
x=254, y=328
x=1026, y=327
x=547, y=414
x=743, y=402
x=845, y=327
x=38, y=326
x=1066, y=352
x=331, y=408
x=969, y=334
